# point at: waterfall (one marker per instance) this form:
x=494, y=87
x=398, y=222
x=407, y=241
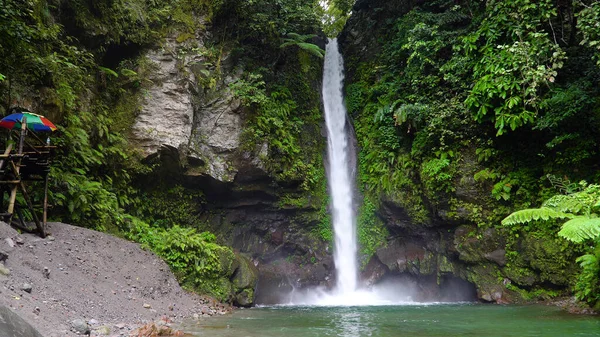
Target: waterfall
x=346, y=292
x=340, y=185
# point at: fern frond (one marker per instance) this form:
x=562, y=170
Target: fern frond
x=300, y=38
x=532, y=214
x=564, y=203
x=287, y=43
x=108, y=71
x=587, y=260
x=580, y=229
x=295, y=36
x=312, y=48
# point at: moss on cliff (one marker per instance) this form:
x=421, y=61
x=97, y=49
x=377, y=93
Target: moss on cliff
x=428, y=150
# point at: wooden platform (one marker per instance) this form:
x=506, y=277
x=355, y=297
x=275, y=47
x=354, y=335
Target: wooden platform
x=28, y=161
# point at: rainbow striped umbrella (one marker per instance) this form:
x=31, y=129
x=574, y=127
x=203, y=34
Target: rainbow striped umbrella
x=34, y=122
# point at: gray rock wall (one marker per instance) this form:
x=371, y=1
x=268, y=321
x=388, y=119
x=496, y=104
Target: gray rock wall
x=167, y=111
x=189, y=107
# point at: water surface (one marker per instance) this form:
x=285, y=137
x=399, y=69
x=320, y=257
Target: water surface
x=447, y=320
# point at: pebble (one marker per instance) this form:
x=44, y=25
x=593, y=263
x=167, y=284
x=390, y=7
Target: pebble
x=80, y=326
x=147, y=306
x=27, y=287
x=50, y=238
x=102, y=331
x=3, y=270
x=10, y=242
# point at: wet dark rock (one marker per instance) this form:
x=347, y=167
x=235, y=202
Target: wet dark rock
x=399, y=256
x=473, y=245
x=373, y=271
x=498, y=256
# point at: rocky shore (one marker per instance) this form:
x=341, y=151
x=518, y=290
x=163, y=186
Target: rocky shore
x=78, y=281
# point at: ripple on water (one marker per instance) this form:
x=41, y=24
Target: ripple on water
x=415, y=320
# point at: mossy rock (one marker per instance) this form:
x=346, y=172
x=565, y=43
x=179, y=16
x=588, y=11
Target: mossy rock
x=245, y=298
x=475, y=245
x=488, y=281
x=246, y=275
x=521, y=276
x=228, y=262
x=221, y=288
x=550, y=257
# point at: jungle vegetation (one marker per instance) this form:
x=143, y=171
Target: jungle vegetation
x=511, y=86
x=493, y=94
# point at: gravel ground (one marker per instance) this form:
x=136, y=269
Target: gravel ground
x=79, y=276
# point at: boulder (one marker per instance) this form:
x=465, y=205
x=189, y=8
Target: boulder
x=246, y=275
x=401, y=257
x=11, y=325
x=245, y=298
x=244, y=282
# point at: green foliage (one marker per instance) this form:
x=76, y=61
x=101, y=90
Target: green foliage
x=195, y=258
x=587, y=23
x=260, y=25
x=516, y=60
x=294, y=39
x=534, y=214
x=412, y=115
x=324, y=229
x=588, y=283
x=138, y=21
x=166, y=205
x=584, y=225
x=334, y=15
x=372, y=234
x=90, y=178
x=273, y=121
x=437, y=176
x=287, y=125
x=581, y=229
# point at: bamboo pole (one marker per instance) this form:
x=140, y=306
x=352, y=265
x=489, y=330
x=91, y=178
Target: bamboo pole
x=20, y=216
x=30, y=205
x=5, y=155
x=45, y=215
x=13, y=192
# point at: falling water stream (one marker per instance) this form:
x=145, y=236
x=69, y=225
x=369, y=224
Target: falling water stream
x=339, y=172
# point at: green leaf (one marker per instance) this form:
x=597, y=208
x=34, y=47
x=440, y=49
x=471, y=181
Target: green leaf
x=532, y=214
x=108, y=71
x=580, y=229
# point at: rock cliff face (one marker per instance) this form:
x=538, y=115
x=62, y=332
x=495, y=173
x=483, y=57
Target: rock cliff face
x=192, y=124
x=450, y=244
x=167, y=112
x=198, y=125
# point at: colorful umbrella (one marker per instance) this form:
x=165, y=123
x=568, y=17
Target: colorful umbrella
x=35, y=122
